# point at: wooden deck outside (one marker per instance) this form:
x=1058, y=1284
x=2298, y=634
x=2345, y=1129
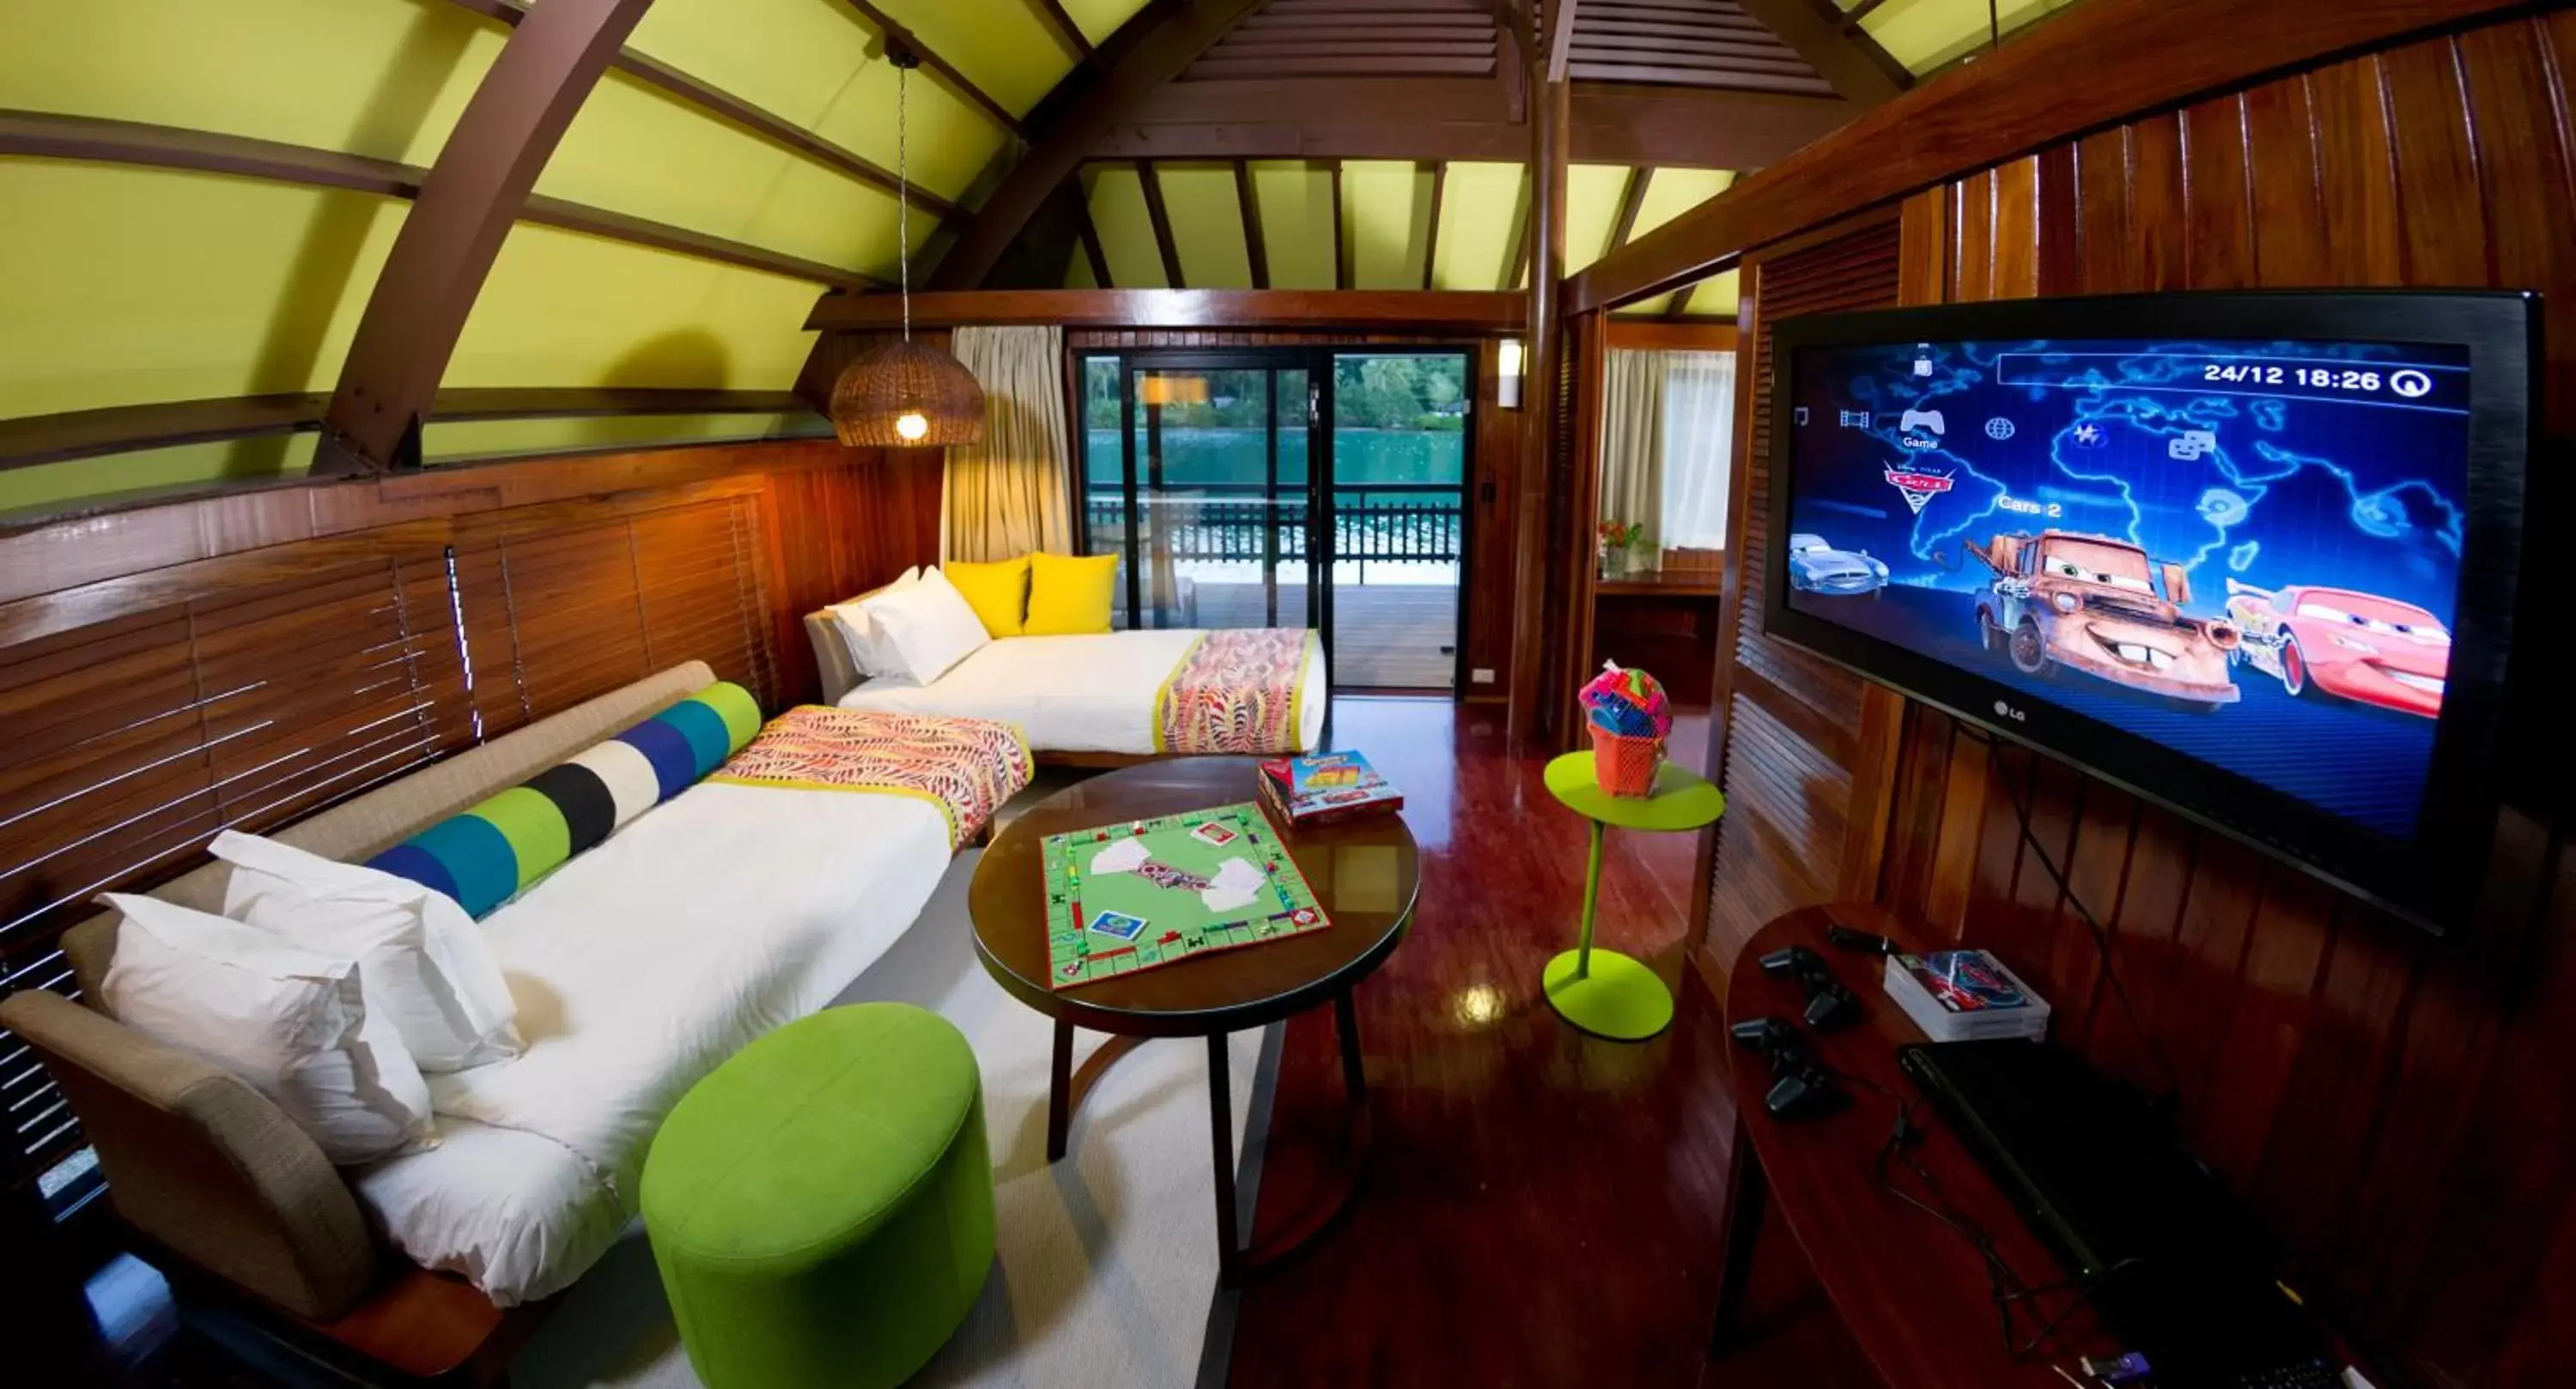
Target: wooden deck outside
x=1387, y=636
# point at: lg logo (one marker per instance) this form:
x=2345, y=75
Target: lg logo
x=2006, y=711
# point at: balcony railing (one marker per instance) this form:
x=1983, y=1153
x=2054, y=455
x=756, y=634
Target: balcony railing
x=1390, y=525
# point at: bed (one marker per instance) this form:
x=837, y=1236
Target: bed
x=743, y=902
x=1101, y=696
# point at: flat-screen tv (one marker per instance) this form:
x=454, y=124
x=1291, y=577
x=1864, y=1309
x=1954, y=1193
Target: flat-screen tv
x=2252, y=555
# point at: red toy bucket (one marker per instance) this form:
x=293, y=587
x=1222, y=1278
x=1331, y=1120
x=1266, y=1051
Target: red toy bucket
x=1625, y=766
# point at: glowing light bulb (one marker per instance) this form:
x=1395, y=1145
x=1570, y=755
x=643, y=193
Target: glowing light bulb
x=911, y=424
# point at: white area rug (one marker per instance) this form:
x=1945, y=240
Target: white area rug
x=1107, y=1263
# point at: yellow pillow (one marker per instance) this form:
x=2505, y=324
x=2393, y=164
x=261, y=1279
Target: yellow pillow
x=1069, y=595
x=998, y=592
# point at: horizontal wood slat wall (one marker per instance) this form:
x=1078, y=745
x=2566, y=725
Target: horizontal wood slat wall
x=246, y=683
x=2398, y=1107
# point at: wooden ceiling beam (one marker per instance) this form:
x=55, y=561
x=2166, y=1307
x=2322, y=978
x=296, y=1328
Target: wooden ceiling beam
x=1089, y=231
x=1341, y=228
x=1077, y=44
x=1632, y=200
x=2005, y=104
x=897, y=36
x=1256, y=250
x=1160, y=216
x=168, y=147
x=1431, y=236
x=1455, y=311
x=33, y=440
x=1847, y=58
x=1463, y=120
x=725, y=106
x=1149, y=51
x=1560, y=38
x=465, y=210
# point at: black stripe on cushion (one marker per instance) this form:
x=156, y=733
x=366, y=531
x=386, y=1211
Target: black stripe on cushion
x=589, y=811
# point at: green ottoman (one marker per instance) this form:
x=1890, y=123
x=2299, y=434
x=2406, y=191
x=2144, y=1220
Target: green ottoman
x=822, y=1206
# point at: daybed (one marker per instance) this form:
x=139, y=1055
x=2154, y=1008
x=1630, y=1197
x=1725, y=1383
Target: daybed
x=636, y=968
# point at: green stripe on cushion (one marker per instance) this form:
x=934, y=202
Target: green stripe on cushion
x=741, y=713
x=535, y=827
x=710, y=742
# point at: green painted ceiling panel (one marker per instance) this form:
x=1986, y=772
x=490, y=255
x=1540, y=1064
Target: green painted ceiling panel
x=565, y=309
x=459, y=440
x=1676, y=191
x=1004, y=49
x=1297, y=231
x=187, y=465
x=1925, y=34
x=127, y=285
x=812, y=61
x=386, y=78
x=1126, y=228
x=1386, y=204
x=1101, y=18
x=1479, y=210
x=1592, y=196
x=1207, y=224
x=1645, y=308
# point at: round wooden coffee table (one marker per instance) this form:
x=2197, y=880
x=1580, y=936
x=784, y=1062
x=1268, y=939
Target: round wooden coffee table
x=1364, y=874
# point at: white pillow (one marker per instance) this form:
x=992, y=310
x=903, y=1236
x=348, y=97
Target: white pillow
x=869, y=653
x=291, y=1023
x=421, y=960
x=927, y=628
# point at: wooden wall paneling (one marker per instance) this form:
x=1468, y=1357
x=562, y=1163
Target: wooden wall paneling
x=1499, y=436
x=2395, y=1106
x=1588, y=359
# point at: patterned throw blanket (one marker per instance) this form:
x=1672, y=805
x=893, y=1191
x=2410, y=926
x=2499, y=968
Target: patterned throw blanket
x=966, y=767
x=1234, y=691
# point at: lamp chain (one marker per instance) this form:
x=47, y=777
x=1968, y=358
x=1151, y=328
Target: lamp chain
x=903, y=195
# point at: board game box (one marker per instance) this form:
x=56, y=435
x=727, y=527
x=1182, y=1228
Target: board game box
x=1326, y=788
x=1147, y=893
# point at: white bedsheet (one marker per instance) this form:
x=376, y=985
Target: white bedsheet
x=1074, y=694
x=638, y=968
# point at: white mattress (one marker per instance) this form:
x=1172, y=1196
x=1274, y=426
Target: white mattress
x=1074, y=694
x=639, y=967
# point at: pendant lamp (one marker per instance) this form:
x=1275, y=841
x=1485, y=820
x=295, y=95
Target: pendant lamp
x=903, y=394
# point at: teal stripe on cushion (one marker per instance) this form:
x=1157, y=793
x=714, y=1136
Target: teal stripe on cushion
x=710, y=742
x=741, y=713
x=540, y=839
x=477, y=857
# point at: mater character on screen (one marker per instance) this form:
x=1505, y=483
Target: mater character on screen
x=2089, y=602
x=2358, y=646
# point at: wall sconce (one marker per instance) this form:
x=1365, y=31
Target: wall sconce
x=1507, y=379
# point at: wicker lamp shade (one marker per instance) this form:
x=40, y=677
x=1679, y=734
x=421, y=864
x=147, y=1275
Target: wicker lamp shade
x=904, y=395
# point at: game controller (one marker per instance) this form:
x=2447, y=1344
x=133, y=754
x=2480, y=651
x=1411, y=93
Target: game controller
x=1829, y=1004
x=1799, y=1088
x=1928, y=420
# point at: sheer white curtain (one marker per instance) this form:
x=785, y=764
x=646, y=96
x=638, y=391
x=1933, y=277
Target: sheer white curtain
x=1699, y=448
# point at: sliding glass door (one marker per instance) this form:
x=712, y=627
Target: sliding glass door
x=1198, y=473
x=1227, y=508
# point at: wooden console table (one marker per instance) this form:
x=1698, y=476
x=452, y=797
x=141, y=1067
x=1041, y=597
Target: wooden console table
x=1913, y=1292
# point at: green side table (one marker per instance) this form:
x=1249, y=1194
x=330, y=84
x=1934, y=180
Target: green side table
x=1601, y=991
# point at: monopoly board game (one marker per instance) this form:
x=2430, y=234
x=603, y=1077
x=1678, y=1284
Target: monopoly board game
x=1135, y=896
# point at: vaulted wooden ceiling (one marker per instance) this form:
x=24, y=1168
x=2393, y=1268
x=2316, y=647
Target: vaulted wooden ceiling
x=200, y=196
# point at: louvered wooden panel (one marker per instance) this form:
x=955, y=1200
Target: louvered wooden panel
x=1783, y=767
x=700, y=591
x=576, y=613
x=1686, y=43
x=1355, y=38
x=134, y=740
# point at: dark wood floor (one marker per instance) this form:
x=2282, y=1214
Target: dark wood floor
x=1541, y=1207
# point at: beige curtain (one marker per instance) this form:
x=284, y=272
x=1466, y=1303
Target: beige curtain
x=1006, y=496
x=1632, y=449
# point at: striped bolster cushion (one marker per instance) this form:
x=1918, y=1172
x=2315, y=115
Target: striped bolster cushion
x=490, y=853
